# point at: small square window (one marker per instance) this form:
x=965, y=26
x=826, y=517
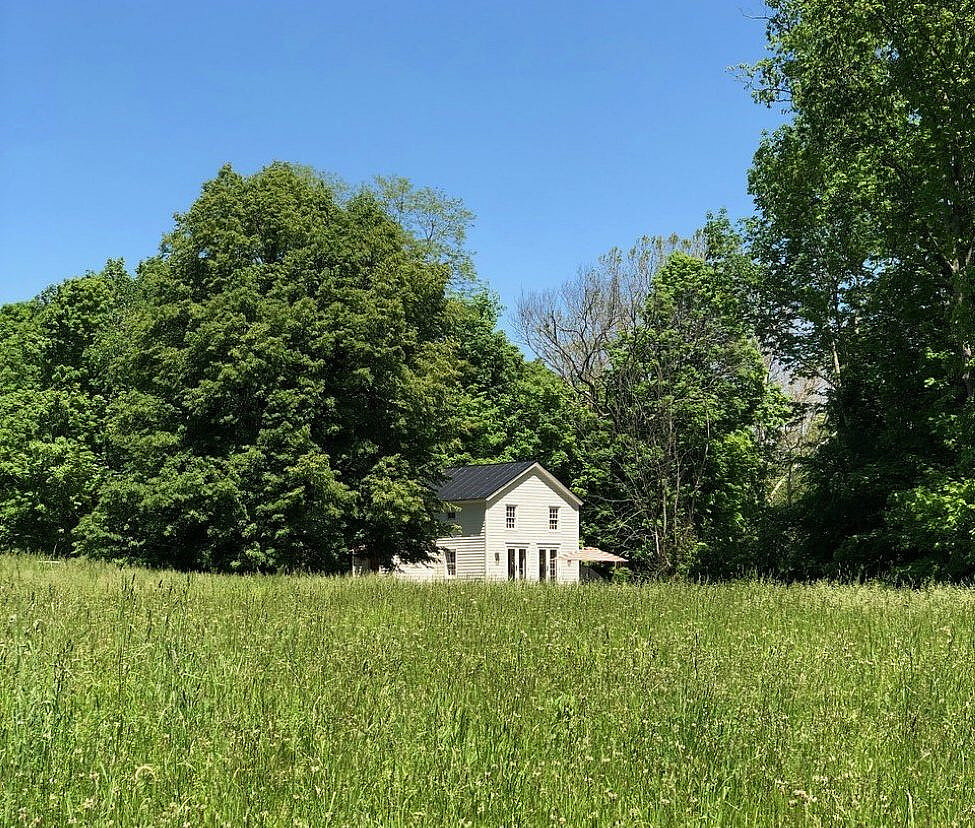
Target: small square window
x=450, y=559
x=553, y=517
x=509, y=517
x=451, y=515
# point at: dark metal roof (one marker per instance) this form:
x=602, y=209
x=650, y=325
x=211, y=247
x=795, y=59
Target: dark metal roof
x=478, y=482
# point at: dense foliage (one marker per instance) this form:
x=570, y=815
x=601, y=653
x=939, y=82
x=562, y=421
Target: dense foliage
x=685, y=410
x=677, y=421
x=280, y=398
x=866, y=224
x=268, y=392
x=54, y=395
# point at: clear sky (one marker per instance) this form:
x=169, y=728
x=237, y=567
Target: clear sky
x=567, y=127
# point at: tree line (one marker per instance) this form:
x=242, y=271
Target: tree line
x=791, y=396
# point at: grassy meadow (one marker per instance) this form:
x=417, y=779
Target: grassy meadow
x=131, y=697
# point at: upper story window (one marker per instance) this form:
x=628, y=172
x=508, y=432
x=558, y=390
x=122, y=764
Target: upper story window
x=553, y=517
x=509, y=517
x=451, y=515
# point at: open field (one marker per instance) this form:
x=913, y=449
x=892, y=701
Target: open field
x=132, y=697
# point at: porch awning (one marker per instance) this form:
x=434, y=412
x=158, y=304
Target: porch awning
x=590, y=554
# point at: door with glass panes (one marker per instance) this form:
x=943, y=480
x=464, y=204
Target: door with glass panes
x=547, y=564
x=517, y=563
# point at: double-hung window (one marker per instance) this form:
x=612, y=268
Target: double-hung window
x=509, y=517
x=450, y=559
x=553, y=517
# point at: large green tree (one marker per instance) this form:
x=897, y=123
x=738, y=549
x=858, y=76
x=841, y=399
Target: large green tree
x=674, y=417
x=282, y=397
x=867, y=224
x=689, y=414
x=53, y=397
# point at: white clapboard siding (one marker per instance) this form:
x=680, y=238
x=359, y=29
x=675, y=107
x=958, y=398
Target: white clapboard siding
x=470, y=561
x=469, y=520
x=433, y=570
x=531, y=496
x=470, y=555
x=467, y=541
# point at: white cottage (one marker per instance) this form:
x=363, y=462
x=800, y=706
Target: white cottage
x=511, y=521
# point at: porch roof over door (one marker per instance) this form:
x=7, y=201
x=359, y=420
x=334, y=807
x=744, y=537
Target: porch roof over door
x=590, y=554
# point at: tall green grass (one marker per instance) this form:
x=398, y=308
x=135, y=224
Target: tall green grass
x=140, y=698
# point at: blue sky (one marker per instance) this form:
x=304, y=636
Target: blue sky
x=567, y=127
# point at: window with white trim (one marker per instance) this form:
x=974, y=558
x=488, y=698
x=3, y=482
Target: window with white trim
x=509, y=517
x=450, y=559
x=553, y=517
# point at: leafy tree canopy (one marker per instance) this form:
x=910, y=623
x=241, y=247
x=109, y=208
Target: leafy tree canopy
x=866, y=224
x=282, y=398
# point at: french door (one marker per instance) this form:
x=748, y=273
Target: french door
x=547, y=564
x=517, y=563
